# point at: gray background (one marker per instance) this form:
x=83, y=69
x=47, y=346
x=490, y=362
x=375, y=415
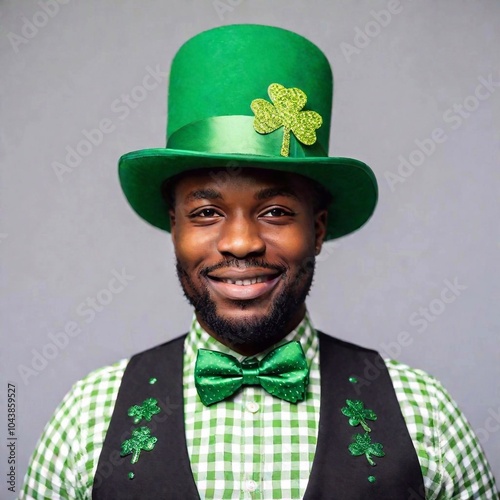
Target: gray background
x=62, y=237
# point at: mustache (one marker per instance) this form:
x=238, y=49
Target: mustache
x=242, y=264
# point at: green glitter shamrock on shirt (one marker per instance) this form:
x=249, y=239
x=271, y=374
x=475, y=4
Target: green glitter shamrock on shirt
x=145, y=411
x=358, y=414
x=141, y=440
x=362, y=445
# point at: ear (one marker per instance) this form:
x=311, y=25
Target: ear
x=320, y=222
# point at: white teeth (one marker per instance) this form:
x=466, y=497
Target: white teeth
x=248, y=281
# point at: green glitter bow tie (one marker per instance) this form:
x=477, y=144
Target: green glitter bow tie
x=283, y=373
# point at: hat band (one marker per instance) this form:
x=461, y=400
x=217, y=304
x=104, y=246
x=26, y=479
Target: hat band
x=236, y=135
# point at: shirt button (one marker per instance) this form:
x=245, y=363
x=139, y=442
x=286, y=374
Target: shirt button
x=251, y=485
x=252, y=407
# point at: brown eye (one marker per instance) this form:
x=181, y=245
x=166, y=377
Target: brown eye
x=277, y=212
x=205, y=212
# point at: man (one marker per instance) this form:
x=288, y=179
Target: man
x=254, y=402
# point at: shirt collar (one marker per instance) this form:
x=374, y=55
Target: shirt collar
x=198, y=338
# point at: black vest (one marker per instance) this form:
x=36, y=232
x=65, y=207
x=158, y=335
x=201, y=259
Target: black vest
x=165, y=472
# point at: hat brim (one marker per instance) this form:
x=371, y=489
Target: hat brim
x=351, y=182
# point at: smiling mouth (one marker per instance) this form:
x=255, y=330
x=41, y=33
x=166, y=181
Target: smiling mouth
x=243, y=285
x=246, y=281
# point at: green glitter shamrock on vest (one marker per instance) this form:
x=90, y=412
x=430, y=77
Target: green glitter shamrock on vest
x=362, y=445
x=145, y=411
x=286, y=112
x=358, y=414
x=141, y=440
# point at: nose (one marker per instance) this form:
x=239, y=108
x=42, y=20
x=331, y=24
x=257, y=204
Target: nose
x=240, y=237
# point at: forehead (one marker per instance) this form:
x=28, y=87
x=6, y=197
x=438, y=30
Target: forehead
x=245, y=179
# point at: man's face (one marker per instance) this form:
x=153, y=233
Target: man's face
x=245, y=244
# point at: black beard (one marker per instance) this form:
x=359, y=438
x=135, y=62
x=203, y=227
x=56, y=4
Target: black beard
x=258, y=333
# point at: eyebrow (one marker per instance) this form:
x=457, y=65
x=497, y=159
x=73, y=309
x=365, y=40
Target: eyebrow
x=266, y=193
x=203, y=194
x=262, y=194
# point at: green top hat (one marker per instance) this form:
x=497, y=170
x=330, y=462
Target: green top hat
x=250, y=96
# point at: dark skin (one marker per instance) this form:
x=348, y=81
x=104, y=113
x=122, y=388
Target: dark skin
x=245, y=251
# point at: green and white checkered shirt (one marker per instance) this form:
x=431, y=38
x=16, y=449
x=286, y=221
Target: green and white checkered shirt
x=256, y=446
